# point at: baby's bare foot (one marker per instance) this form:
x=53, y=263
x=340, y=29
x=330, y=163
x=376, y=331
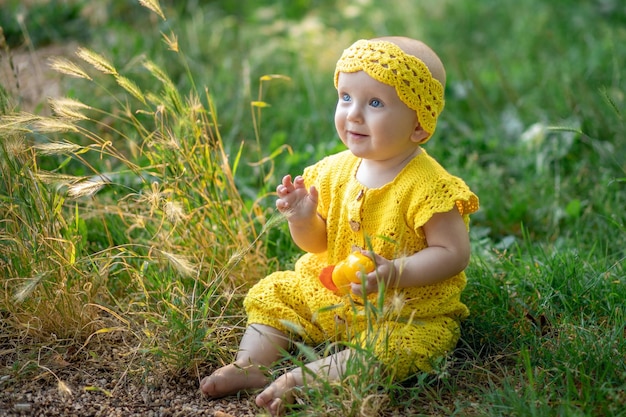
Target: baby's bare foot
x=279, y=393
x=231, y=379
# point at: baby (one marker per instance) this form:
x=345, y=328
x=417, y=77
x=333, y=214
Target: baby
x=385, y=195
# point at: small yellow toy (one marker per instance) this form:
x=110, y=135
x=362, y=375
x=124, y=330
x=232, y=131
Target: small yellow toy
x=338, y=278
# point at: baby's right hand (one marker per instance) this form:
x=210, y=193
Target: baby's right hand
x=294, y=200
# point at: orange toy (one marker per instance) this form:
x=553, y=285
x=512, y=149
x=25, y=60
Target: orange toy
x=337, y=278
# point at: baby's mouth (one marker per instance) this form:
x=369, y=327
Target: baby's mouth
x=356, y=135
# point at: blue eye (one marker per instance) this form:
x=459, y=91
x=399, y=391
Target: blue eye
x=376, y=103
x=345, y=97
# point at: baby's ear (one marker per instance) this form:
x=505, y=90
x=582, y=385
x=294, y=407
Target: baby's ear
x=419, y=135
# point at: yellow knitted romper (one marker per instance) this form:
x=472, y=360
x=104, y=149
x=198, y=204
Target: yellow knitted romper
x=416, y=324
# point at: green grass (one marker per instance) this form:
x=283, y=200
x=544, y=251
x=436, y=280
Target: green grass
x=141, y=211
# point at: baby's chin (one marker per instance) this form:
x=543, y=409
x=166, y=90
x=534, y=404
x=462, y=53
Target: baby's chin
x=360, y=147
x=360, y=153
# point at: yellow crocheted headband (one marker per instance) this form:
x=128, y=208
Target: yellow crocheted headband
x=387, y=63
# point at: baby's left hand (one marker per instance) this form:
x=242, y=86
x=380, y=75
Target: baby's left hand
x=385, y=272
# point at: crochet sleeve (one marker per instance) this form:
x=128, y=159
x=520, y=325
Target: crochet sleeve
x=444, y=194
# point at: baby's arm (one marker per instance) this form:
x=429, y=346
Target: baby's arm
x=299, y=205
x=447, y=254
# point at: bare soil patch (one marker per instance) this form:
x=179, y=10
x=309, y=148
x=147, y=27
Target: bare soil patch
x=27, y=77
x=92, y=392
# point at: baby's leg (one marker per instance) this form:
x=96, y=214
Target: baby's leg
x=260, y=347
x=278, y=393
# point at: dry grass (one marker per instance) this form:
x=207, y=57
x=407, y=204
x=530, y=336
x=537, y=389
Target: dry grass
x=160, y=247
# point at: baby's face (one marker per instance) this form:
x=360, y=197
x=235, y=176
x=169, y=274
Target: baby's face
x=372, y=121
